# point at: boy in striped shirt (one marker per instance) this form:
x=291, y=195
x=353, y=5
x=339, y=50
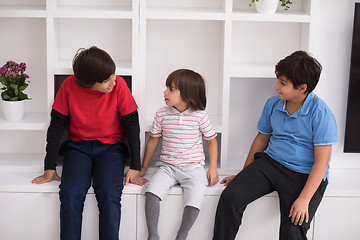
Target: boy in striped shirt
x=182, y=124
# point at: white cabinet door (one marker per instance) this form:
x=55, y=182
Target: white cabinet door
x=338, y=218
x=37, y=216
x=29, y=216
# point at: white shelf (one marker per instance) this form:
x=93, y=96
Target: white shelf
x=290, y=16
x=31, y=121
x=21, y=182
x=185, y=14
x=343, y=183
x=17, y=171
x=23, y=11
x=93, y=12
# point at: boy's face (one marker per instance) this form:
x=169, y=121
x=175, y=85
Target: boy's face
x=173, y=98
x=106, y=86
x=286, y=91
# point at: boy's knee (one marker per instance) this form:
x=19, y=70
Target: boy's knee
x=231, y=200
x=227, y=197
x=108, y=195
x=71, y=197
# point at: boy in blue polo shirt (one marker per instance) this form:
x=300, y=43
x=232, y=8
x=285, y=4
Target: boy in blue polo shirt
x=290, y=154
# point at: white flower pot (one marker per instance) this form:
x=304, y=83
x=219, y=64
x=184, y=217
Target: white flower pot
x=266, y=6
x=13, y=110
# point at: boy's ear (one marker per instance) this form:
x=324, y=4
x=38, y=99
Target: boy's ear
x=302, y=87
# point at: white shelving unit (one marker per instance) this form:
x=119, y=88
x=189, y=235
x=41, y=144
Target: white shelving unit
x=232, y=46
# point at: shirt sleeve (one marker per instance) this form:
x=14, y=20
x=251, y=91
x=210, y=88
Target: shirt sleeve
x=55, y=132
x=324, y=128
x=156, y=130
x=131, y=127
x=206, y=128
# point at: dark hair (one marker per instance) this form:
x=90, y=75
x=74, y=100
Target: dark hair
x=191, y=86
x=300, y=68
x=92, y=65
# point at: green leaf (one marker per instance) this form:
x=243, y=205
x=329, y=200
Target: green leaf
x=13, y=86
x=23, y=96
x=5, y=96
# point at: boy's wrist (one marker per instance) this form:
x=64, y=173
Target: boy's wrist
x=213, y=165
x=212, y=168
x=303, y=197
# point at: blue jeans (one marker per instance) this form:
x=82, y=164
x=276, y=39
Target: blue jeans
x=87, y=162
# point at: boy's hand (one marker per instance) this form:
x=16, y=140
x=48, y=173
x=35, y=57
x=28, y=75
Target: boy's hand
x=299, y=211
x=48, y=176
x=133, y=176
x=212, y=176
x=227, y=180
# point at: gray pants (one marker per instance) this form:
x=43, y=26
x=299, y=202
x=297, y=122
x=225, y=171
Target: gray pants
x=192, y=179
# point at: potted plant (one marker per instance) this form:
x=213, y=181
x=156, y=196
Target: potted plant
x=270, y=6
x=14, y=81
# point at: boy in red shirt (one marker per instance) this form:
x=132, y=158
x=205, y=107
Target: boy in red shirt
x=98, y=110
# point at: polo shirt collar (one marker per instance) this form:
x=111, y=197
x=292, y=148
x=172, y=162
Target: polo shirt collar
x=304, y=110
x=172, y=110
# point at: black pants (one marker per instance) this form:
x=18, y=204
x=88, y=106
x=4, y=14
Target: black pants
x=261, y=177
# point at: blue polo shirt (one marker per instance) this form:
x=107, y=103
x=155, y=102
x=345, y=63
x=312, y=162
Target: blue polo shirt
x=293, y=137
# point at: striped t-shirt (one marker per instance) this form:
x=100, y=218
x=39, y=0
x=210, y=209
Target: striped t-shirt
x=182, y=135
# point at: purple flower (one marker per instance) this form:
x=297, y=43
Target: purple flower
x=23, y=66
x=13, y=73
x=9, y=63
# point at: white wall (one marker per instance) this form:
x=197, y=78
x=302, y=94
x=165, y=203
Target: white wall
x=332, y=28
